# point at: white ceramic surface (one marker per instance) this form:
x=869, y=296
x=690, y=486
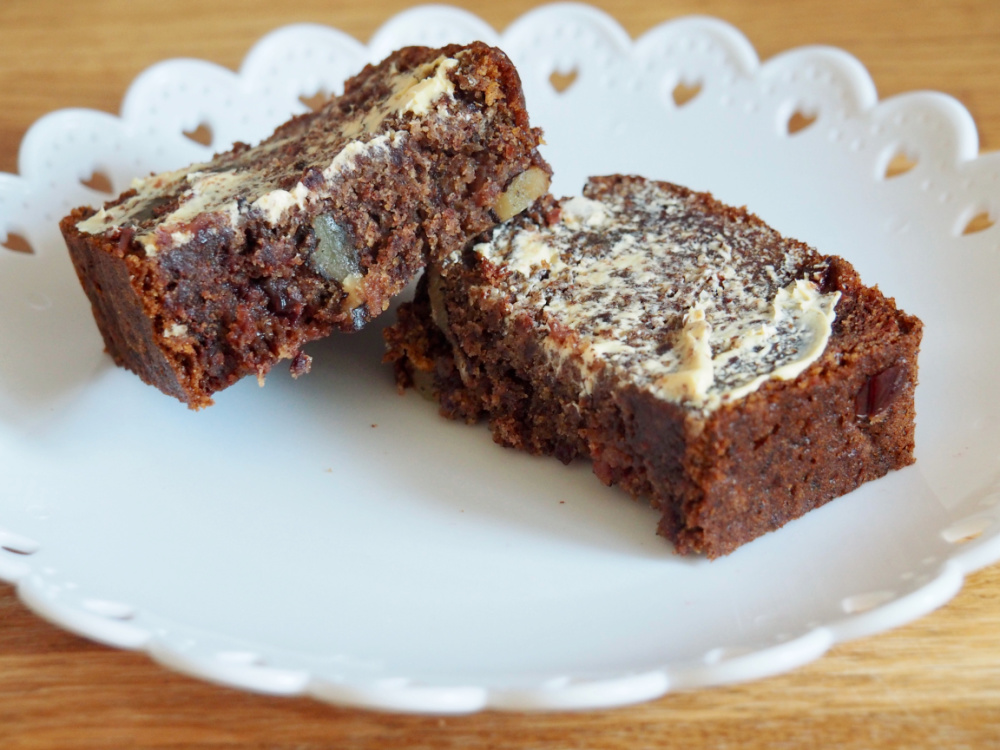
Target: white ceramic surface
x=329, y=537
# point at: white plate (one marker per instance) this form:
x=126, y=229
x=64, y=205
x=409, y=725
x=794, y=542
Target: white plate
x=329, y=537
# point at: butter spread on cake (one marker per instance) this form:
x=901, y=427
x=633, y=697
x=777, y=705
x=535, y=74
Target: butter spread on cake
x=681, y=309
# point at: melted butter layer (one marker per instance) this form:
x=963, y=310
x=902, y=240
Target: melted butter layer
x=688, y=306
x=230, y=187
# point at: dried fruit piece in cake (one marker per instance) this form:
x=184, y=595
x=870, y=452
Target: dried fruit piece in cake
x=734, y=377
x=203, y=275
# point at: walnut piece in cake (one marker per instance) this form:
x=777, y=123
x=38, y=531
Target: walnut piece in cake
x=735, y=378
x=203, y=275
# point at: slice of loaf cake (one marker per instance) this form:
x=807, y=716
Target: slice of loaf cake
x=201, y=276
x=735, y=378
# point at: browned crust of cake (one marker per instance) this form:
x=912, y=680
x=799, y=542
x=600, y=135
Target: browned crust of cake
x=246, y=299
x=719, y=480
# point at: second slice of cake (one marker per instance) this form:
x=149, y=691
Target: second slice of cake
x=734, y=377
x=203, y=275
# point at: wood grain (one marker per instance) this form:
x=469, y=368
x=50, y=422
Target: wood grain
x=934, y=683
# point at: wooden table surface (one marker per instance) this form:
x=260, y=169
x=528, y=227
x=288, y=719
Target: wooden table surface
x=934, y=683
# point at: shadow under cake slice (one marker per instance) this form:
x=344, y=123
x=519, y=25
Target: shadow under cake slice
x=201, y=276
x=734, y=377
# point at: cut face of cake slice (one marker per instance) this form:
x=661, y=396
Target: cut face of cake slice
x=735, y=378
x=200, y=276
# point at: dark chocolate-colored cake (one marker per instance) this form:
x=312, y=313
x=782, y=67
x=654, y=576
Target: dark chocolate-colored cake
x=734, y=377
x=203, y=275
